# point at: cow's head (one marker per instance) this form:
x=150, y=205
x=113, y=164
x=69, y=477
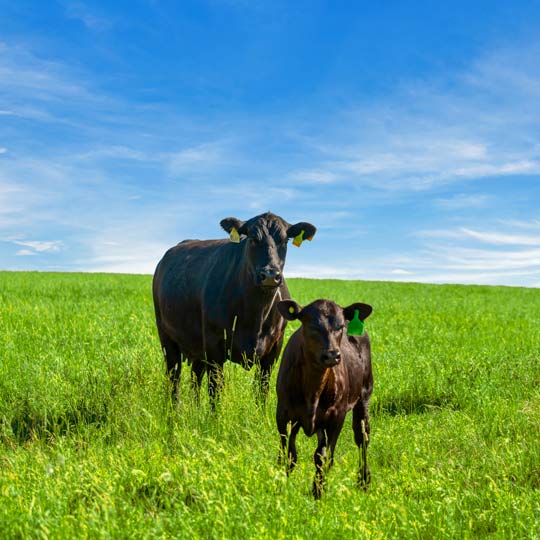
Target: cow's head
x=264, y=242
x=323, y=324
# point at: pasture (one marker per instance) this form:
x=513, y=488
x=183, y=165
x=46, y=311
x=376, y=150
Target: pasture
x=90, y=446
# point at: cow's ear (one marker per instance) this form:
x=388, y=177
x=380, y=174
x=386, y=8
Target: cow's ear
x=300, y=232
x=289, y=309
x=230, y=222
x=234, y=227
x=364, y=311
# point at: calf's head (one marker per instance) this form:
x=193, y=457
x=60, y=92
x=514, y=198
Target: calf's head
x=323, y=324
x=263, y=240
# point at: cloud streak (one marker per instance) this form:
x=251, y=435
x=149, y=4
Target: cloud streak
x=52, y=246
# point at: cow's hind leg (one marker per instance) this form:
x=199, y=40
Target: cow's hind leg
x=361, y=430
x=173, y=359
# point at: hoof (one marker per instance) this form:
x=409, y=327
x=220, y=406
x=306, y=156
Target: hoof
x=317, y=491
x=364, y=479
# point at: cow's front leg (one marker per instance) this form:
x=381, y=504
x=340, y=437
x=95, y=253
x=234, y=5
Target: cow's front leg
x=215, y=382
x=197, y=373
x=264, y=372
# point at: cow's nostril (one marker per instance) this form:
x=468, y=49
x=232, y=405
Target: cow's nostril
x=269, y=277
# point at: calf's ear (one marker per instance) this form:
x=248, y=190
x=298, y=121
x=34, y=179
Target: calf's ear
x=234, y=227
x=289, y=309
x=364, y=311
x=300, y=232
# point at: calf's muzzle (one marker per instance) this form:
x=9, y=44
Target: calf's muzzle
x=331, y=358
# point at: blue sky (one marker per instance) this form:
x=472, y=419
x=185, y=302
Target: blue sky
x=407, y=132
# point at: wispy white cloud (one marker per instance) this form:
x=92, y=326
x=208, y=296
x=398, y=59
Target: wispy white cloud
x=324, y=271
x=531, y=224
x=81, y=12
x=313, y=177
x=39, y=246
x=495, y=238
x=115, y=152
x=503, y=239
x=465, y=255
x=198, y=158
x=128, y=250
x=462, y=201
x=24, y=75
x=516, y=279
x=24, y=252
x=401, y=272
x=521, y=167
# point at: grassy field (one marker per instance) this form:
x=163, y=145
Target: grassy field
x=91, y=448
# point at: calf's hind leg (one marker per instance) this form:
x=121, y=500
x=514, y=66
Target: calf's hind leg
x=361, y=430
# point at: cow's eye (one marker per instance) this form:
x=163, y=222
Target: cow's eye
x=339, y=327
x=255, y=240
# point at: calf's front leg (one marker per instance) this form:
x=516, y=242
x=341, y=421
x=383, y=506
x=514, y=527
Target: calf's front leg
x=287, y=438
x=320, y=462
x=324, y=455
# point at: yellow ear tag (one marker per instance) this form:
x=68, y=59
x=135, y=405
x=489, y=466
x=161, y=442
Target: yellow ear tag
x=298, y=239
x=235, y=237
x=291, y=310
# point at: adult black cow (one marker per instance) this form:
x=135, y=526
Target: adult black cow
x=216, y=300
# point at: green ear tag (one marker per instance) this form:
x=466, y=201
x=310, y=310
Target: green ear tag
x=235, y=237
x=299, y=238
x=356, y=326
x=291, y=310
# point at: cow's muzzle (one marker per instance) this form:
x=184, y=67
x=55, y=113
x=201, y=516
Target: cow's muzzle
x=269, y=278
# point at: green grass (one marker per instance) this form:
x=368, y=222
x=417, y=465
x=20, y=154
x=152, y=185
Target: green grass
x=90, y=447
